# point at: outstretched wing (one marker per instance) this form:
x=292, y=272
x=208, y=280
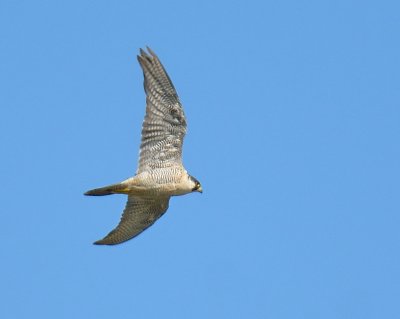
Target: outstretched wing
x=139, y=214
x=164, y=125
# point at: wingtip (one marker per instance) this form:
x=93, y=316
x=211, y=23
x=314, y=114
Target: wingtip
x=150, y=51
x=107, y=241
x=101, y=242
x=149, y=54
x=144, y=57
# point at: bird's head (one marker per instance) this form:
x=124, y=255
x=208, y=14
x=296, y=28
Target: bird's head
x=196, y=186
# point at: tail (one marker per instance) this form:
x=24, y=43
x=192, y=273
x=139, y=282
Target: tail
x=108, y=190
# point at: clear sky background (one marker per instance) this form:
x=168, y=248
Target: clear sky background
x=294, y=129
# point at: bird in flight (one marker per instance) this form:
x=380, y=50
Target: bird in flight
x=160, y=173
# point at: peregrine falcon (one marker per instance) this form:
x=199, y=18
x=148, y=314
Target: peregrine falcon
x=160, y=173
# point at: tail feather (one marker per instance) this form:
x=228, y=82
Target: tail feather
x=108, y=190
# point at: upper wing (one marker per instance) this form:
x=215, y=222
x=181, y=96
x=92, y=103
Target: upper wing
x=164, y=125
x=139, y=214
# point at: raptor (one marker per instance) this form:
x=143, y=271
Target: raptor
x=160, y=173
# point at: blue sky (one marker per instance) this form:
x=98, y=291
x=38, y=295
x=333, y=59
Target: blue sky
x=293, y=110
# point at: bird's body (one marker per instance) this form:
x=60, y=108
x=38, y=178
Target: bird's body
x=159, y=182
x=160, y=172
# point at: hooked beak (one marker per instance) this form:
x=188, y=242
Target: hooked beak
x=200, y=190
